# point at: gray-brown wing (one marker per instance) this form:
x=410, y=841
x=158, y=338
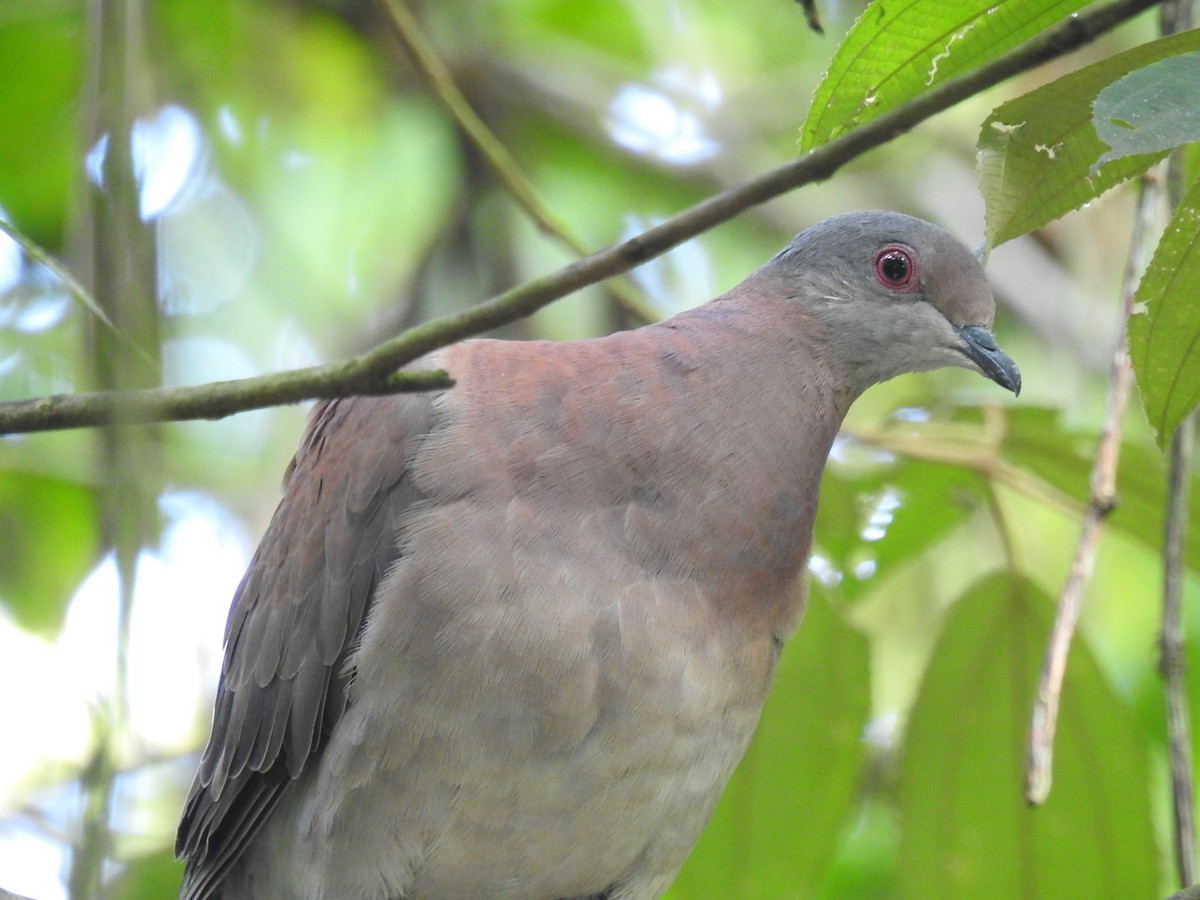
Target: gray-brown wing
x=294, y=620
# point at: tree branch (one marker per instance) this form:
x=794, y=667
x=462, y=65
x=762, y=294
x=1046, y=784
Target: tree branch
x=209, y=401
x=430, y=65
x=1171, y=655
x=375, y=371
x=1039, y=756
x=1176, y=16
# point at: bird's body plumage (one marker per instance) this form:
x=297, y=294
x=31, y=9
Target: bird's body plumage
x=510, y=639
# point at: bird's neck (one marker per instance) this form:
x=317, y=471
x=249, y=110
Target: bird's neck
x=759, y=408
x=767, y=349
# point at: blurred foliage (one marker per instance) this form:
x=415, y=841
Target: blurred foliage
x=51, y=544
x=1054, y=124
x=960, y=784
x=311, y=196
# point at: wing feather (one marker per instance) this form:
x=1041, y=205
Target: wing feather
x=294, y=621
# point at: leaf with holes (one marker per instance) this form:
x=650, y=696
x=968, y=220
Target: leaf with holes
x=897, y=50
x=1036, y=153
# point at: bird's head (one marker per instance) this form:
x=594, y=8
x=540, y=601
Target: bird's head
x=893, y=294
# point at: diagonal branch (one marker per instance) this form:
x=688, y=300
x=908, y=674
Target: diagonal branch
x=1102, y=500
x=375, y=371
x=71, y=283
x=430, y=65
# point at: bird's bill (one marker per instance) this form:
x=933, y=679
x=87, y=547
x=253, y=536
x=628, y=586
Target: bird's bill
x=981, y=348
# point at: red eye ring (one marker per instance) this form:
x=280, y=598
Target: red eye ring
x=896, y=267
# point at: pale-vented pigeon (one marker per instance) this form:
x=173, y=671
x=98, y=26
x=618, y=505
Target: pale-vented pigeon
x=509, y=639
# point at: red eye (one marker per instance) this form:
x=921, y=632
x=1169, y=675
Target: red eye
x=896, y=268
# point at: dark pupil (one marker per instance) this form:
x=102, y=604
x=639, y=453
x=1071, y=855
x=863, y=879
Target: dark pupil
x=895, y=267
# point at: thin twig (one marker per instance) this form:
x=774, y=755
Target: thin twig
x=375, y=371
x=1171, y=655
x=430, y=65
x=1176, y=16
x=1102, y=498
x=42, y=256
x=995, y=426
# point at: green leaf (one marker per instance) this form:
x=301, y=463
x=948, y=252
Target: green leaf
x=1164, y=335
x=776, y=829
x=897, y=50
x=870, y=521
x=966, y=830
x=1036, y=153
x=1151, y=109
x=866, y=865
x=41, y=62
x=50, y=541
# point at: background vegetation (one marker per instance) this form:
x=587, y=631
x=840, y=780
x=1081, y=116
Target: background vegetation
x=247, y=186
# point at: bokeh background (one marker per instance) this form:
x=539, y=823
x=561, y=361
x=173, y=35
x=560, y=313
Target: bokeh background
x=301, y=194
